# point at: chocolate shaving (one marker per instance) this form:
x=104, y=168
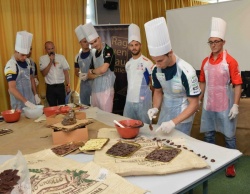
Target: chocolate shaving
x=8, y=179
x=163, y=155
x=65, y=149
x=122, y=149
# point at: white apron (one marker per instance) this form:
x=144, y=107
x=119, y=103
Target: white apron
x=137, y=105
x=23, y=85
x=175, y=99
x=218, y=99
x=85, y=86
x=103, y=87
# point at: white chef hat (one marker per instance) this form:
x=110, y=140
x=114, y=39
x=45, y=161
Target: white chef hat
x=134, y=33
x=89, y=32
x=157, y=37
x=218, y=28
x=23, y=42
x=79, y=33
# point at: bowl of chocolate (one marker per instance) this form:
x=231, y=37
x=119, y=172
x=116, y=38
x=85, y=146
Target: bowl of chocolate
x=131, y=128
x=11, y=116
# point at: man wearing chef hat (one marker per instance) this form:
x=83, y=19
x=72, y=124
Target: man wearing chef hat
x=21, y=84
x=219, y=72
x=139, y=69
x=82, y=63
x=176, y=84
x=101, y=70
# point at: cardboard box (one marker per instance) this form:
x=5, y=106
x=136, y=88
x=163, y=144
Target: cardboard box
x=53, y=119
x=61, y=137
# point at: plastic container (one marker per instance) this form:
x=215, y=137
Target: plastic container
x=11, y=116
x=131, y=130
x=33, y=113
x=51, y=110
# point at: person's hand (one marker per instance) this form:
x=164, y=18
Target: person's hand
x=166, y=127
x=36, y=81
x=234, y=111
x=30, y=105
x=83, y=76
x=37, y=99
x=152, y=112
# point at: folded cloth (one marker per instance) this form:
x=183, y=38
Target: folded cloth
x=41, y=118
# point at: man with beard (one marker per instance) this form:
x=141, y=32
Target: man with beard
x=138, y=68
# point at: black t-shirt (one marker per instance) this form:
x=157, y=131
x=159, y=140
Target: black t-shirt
x=108, y=56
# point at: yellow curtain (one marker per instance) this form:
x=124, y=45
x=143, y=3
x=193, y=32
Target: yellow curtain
x=53, y=20
x=142, y=11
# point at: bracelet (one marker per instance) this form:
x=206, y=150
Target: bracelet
x=67, y=85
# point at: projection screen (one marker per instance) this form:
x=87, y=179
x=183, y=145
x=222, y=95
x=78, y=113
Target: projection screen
x=189, y=30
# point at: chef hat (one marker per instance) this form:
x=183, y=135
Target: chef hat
x=218, y=28
x=134, y=33
x=89, y=32
x=157, y=37
x=79, y=33
x=23, y=42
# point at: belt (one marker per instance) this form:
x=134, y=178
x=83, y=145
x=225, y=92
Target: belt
x=55, y=85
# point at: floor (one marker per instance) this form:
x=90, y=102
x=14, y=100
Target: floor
x=221, y=184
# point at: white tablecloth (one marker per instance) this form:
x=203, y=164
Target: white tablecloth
x=171, y=183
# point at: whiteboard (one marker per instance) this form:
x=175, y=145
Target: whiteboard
x=189, y=30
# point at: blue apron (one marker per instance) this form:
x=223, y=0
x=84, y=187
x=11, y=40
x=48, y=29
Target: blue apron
x=85, y=86
x=23, y=85
x=175, y=99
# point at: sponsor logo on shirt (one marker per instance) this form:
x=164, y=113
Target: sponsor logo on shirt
x=140, y=66
x=194, y=79
x=108, y=55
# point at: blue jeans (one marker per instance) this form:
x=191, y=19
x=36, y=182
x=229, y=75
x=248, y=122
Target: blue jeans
x=210, y=138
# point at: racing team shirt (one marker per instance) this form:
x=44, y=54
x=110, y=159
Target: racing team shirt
x=188, y=78
x=11, y=70
x=55, y=75
x=234, y=71
x=108, y=56
x=138, y=71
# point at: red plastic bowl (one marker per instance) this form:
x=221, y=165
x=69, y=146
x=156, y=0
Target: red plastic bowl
x=48, y=111
x=11, y=116
x=131, y=130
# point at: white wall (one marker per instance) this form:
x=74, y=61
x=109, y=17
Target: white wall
x=189, y=30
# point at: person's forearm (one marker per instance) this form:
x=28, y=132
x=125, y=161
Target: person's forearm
x=77, y=72
x=46, y=70
x=33, y=85
x=17, y=94
x=101, y=70
x=202, y=87
x=237, y=94
x=66, y=74
x=157, y=98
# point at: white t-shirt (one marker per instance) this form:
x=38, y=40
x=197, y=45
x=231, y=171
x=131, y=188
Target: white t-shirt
x=55, y=75
x=138, y=71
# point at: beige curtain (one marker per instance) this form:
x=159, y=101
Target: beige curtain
x=142, y=11
x=53, y=20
